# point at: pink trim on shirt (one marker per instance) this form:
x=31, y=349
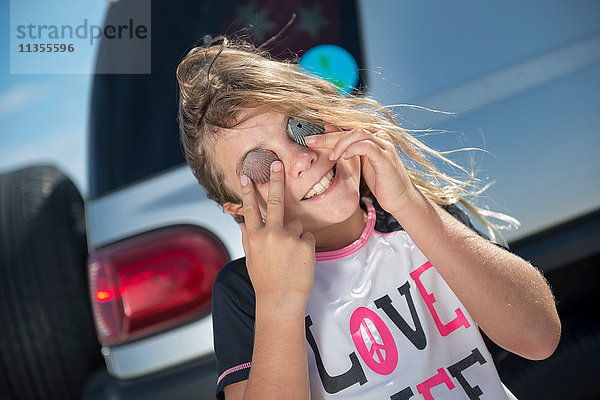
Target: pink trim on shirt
x=234, y=369
x=357, y=244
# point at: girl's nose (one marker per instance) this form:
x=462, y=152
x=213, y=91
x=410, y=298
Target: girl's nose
x=301, y=159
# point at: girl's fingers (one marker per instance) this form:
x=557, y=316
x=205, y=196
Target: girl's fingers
x=357, y=136
x=326, y=140
x=362, y=144
x=340, y=140
x=245, y=238
x=374, y=154
x=252, y=217
x=275, y=206
x=295, y=227
x=308, y=237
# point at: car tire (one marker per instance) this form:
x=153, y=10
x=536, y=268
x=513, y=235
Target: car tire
x=48, y=345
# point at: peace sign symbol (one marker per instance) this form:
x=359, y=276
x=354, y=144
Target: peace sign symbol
x=367, y=321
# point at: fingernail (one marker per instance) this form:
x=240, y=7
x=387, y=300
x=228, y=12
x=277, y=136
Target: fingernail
x=244, y=180
x=310, y=139
x=276, y=166
x=344, y=155
x=332, y=155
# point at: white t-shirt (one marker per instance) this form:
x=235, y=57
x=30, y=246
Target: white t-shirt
x=381, y=323
x=384, y=324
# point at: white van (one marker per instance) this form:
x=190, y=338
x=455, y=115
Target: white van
x=519, y=79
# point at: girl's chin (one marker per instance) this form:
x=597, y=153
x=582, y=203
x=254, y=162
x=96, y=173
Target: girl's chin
x=331, y=212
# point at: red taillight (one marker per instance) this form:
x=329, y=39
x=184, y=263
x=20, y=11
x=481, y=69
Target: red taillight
x=151, y=282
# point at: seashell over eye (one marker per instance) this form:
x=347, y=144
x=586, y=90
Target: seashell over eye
x=257, y=165
x=298, y=129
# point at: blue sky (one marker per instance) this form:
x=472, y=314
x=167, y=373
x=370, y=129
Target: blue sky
x=43, y=117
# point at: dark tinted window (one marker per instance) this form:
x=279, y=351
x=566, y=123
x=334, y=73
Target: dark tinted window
x=133, y=125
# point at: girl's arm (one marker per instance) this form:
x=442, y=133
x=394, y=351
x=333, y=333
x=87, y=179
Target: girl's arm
x=508, y=298
x=281, y=266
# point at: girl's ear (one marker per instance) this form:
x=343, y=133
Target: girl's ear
x=233, y=208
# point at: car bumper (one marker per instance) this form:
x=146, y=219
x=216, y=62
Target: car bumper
x=193, y=380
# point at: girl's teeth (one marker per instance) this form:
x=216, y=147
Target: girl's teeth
x=321, y=186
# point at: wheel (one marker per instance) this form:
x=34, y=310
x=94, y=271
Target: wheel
x=48, y=345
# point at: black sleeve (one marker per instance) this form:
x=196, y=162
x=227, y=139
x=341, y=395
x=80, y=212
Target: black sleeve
x=386, y=223
x=463, y=217
x=233, y=305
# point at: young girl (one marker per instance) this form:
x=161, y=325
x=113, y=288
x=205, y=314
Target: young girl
x=361, y=278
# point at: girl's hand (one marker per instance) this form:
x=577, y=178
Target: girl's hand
x=280, y=258
x=380, y=164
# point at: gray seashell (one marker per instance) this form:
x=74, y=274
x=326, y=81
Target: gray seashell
x=257, y=165
x=298, y=129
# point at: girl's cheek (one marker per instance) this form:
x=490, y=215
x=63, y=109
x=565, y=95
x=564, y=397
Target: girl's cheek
x=352, y=168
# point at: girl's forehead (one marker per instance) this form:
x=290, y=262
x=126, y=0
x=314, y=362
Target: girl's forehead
x=252, y=126
x=258, y=117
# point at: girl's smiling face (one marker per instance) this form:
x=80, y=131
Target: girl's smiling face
x=304, y=167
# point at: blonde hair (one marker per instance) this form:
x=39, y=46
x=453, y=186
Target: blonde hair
x=218, y=80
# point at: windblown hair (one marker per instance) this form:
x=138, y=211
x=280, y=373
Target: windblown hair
x=220, y=79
